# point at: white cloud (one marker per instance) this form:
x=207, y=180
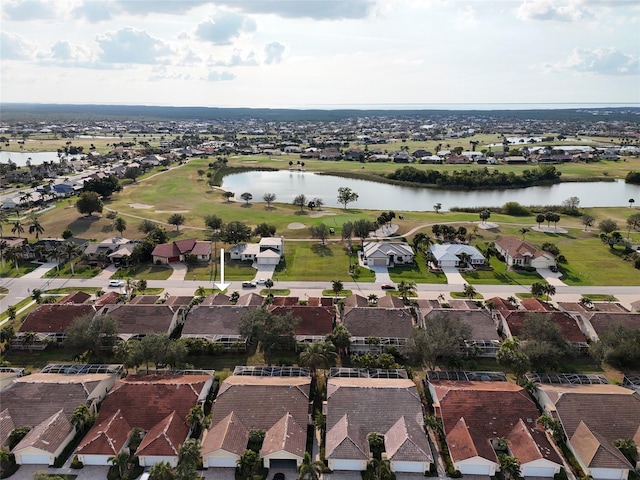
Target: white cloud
x=68, y=54
x=94, y=11
x=26, y=10
x=130, y=45
x=570, y=11
x=602, y=61
x=224, y=28
x=14, y=47
x=273, y=53
x=314, y=9
x=220, y=76
x=236, y=60
x=467, y=17
x=147, y=7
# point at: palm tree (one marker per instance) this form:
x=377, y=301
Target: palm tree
x=317, y=355
x=13, y=254
x=340, y=338
x=309, y=470
x=188, y=457
x=71, y=251
x=380, y=469
x=3, y=248
x=197, y=419
x=247, y=464
x=201, y=291
x=3, y=219
x=28, y=339
x=35, y=227
x=469, y=291
x=82, y=417
x=406, y=288
x=524, y=232
x=121, y=460
x=18, y=228
x=373, y=299
x=269, y=284
x=422, y=241
x=162, y=471
x=509, y=466
x=549, y=290
x=120, y=224
x=337, y=286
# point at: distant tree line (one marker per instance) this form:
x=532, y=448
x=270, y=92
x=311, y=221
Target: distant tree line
x=479, y=179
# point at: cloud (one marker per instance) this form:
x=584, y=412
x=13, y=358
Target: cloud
x=93, y=11
x=14, y=47
x=64, y=51
x=130, y=45
x=315, y=9
x=273, y=53
x=224, y=27
x=169, y=7
x=25, y=10
x=236, y=60
x=601, y=61
x=219, y=76
x=545, y=10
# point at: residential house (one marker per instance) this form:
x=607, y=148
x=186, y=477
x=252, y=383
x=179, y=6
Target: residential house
x=523, y=254
x=484, y=340
x=315, y=322
x=455, y=254
x=478, y=417
x=178, y=250
x=45, y=402
x=217, y=324
x=137, y=321
x=269, y=251
x=390, y=407
x=598, y=323
x=156, y=404
x=373, y=328
x=387, y=254
x=260, y=398
x=49, y=322
x=105, y=248
x=593, y=417
x=512, y=324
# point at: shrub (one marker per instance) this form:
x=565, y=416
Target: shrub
x=515, y=209
x=76, y=464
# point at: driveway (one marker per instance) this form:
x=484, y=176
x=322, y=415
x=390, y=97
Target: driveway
x=382, y=273
x=453, y=276
x=552, y=278
x=107, y=272
x=40, y=271
x=179, y=271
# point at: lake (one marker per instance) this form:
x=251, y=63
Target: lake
x=20, y=158
x=288, y=184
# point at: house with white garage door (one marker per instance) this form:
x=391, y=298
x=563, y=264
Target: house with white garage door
x=482, y=419
x=455, y=255
x=269, y=251
x=387, y=254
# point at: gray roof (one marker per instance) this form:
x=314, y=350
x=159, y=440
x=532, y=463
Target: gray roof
x=379, y=322
x=214, y=320
x=481, y=323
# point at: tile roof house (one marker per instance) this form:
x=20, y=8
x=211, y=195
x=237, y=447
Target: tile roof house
x=450, y=254
x=45, y=403
x=178, y=250
x=277, y=405
x=391, y=325
x=519, y=252
x=49, y=322
x=484, y=334
x=475, y=414
x=387, y=254
x=391, y=407
x=512, y=325
x=315, y=322
x=269, y=251
x=157, y=404
x=595, y=324
x=593, y=417
x=217, y=324
x=140, y=320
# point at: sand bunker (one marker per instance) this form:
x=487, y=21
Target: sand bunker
x=549, y=229
x=487, y=225
x=295, y=226
x=140, y=205
x=172, y=211
x=321, y=214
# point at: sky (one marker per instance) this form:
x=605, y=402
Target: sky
x=319, y=53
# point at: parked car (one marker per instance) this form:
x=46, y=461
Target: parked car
x=116, y=283
x=278, y=476
x=553, y=268
x=262, y=281
x=248, y=284
x=386, y=286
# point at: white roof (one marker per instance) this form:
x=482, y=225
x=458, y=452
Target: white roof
x=384, y=249
x=453, y=250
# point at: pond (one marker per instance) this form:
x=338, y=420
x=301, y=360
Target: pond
x=37, y=158
x=288, y=184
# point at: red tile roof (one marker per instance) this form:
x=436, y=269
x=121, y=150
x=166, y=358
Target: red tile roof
x=566, y=323
x=109, y=298
x=164, y=438
x=48, y=436
x=313, y=320
x=229, y=434
x=535, y=305
x=107, y=436
x=54, y=318
x=76, y=297
x=181, y=247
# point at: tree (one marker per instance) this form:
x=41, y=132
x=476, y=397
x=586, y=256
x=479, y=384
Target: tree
x=71, y=250
x=36, y=294
x=437, y=207
x=120, y=224
x=631, y=202
x=300, y=201
x=176, y=219
x=197, y=419
x=362, y=228
x=317, y=355
x=512, y=358
x=320, y=231
x=133, y=173
x=469, y=291
x=89, y=202
x=524, y=232
x=264, y=230
x=89, y=334
x=228, y=196
x=188, y=458
x=248, y=464
x=247, y=197
x=484, y=215
x=421, y=241
x=162, y=471
x=67, y=234
x=104, y=187
x=147, y=226
x=318, y=202
x=379, y=469
x=346, y=196
x=310, y=470
x=268, y=283
x=540, y=217
x=607, y=226
x=628, y=448
x=82, y=418
x=340, y=338
x=213, y=222
x=13, y=254
x=543, y=343
x=571, y=203
x=120, y=461
x=337, y=286
x=509, y=466
x=347, y=231
x=17, y=228
x=269, y=198
x=442, y=337
x=35, y=227
x=28, y=339
x=587, y=220
x=235, y=232
x=618, y=346
x=633, y=222
x=406, y=288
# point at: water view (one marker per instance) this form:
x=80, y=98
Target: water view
x=36, y=158
x=379, y=196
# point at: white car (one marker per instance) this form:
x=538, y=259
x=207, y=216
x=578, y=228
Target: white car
x=261, y=281
x=116, y=283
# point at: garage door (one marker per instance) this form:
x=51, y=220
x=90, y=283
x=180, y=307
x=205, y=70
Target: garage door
x=283, y=464
x=221, y=462
x=416, y=467
x=381, y=262
x=353, y=465
x=174, y=259
x=34, y=458
x=538, y=471
x=475, y=469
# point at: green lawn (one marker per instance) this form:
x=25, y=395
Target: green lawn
x=498, y=276
x=79, y=271
x=233, y=270
x=418, y=273
x=24, y=267
x=146, y=271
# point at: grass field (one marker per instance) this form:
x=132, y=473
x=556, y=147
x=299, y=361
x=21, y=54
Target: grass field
x=418, y=273
x=498, y=276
